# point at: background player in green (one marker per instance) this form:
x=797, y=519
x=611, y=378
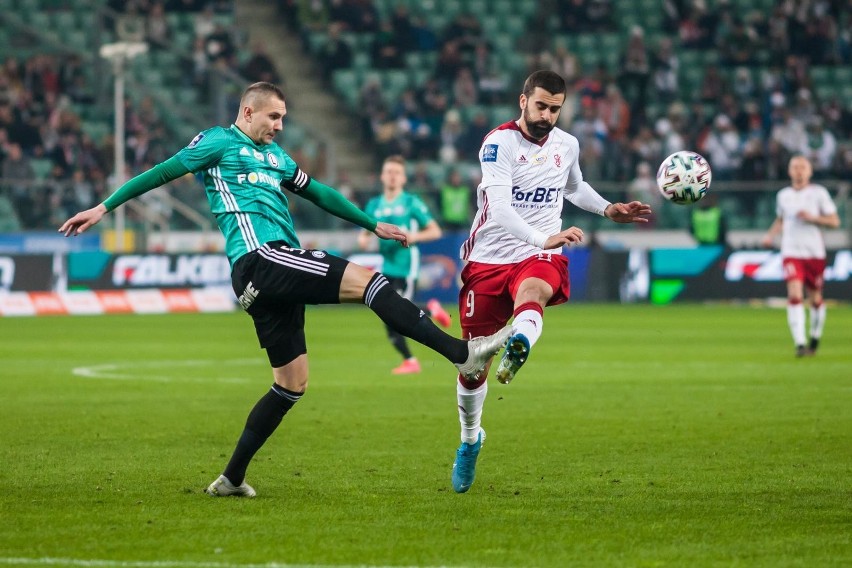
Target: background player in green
x=402, y=264
x=245, y=174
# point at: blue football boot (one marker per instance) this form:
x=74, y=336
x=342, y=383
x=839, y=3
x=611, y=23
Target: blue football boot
x=464, y=468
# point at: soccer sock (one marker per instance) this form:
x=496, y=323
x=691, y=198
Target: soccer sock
x=262, y=421
x=470, y=410
x=817, y=320
x=407, y=319
x=528, y=321
x=399, y=343
x=796, y=321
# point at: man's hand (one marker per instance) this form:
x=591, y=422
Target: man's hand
x=391, y=232
x=767, y=241
x=80, y=222
x=808, y=217
x=567, y=237
x=633, y=212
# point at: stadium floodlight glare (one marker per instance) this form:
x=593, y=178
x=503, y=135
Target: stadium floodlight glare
x=119, y=54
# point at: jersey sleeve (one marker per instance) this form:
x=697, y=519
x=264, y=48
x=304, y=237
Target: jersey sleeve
x=826, y=204
x=495, y=158
x=420, y=211
x=205, y=150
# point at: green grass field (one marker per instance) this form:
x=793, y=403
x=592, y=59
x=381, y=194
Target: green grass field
x=635, y=436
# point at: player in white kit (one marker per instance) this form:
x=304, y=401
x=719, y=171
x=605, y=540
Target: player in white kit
x=514, y=261
x=803, y=209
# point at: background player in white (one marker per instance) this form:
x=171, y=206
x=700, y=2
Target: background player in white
x=514, y=261
x=803, y=209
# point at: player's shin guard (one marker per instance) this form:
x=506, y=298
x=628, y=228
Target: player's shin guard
x=470, y=410
x=796, y=321
x=409, y=320
x=262, y=421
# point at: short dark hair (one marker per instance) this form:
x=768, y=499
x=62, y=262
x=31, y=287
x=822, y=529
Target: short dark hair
x=262, y=89
x=550, y=81
x=395, y=159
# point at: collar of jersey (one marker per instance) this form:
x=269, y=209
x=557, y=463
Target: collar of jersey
x=243, y=135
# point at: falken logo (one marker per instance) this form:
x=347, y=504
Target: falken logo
x=196, y=140
x=273, y=161
x=489, y=153
x=258, y=177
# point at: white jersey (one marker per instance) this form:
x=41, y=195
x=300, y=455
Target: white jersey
x=800, y=239
x=538, y=174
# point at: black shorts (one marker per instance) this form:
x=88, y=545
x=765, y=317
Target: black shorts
x=273, y=284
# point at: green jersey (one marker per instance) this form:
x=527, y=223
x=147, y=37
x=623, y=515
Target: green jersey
x=243, y=184
x=408, y=212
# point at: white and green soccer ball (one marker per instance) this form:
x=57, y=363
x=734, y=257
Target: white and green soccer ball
x=684, y=177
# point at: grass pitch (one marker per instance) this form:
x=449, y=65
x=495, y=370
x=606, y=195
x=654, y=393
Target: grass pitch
x=635, y=436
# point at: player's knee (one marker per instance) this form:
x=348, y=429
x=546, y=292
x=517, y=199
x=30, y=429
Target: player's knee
x=354, y=282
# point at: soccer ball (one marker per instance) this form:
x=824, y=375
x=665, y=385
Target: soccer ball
x=684, y=177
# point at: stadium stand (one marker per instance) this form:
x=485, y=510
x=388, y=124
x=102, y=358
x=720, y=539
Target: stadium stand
x=746, y=82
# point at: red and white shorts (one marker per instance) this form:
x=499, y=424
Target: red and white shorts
x=808, y=270
x=487, y=296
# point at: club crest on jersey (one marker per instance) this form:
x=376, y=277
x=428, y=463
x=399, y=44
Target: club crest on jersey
x=539, y=159
x=318, y=253
x=557, y=159
x=489, y=153
x=273, y=161
x=258, y=155
x=196, y=140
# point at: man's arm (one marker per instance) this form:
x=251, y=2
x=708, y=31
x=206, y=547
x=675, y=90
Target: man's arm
x=585, y=197
x=431, y=232
x=774, y=230
x=505, y=215
x=160, y=174
x=831, y=221
x=332, y=201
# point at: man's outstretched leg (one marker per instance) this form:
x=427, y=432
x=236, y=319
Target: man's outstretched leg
x=469, y=356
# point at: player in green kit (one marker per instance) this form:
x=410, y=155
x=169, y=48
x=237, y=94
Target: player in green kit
x=245, y=175
x=401, y=264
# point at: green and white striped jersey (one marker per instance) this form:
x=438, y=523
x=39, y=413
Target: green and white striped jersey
x=410, y=213
x=243, y=181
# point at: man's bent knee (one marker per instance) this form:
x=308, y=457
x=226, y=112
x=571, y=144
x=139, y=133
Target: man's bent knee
x=294, y=375
x=354, y=282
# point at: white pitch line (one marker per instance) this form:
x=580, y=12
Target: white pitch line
x=130, y=371
x=92, y=563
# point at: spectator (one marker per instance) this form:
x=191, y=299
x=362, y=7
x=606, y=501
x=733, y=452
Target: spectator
x=615, y=114
x=335, y=52
x=387, y=49
x=465, y=93
x=820, y=147
x=157, y=30
x=260, y=66
x=665, y=66
x=635, y=71
x=722, y=147
x=713, y=85
x=17, y=172
x=471, y=141
x=643, y=188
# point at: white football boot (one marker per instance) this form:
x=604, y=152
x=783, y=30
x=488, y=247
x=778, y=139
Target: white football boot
x=480, y=350
x=224, y=488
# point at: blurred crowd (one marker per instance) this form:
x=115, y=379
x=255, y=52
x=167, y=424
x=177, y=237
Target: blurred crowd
x=751, y=107
x=747, y=107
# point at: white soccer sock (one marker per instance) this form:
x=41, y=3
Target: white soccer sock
x=817, y=321
x=470, y=410
x=796, y=322
x=529, y=323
